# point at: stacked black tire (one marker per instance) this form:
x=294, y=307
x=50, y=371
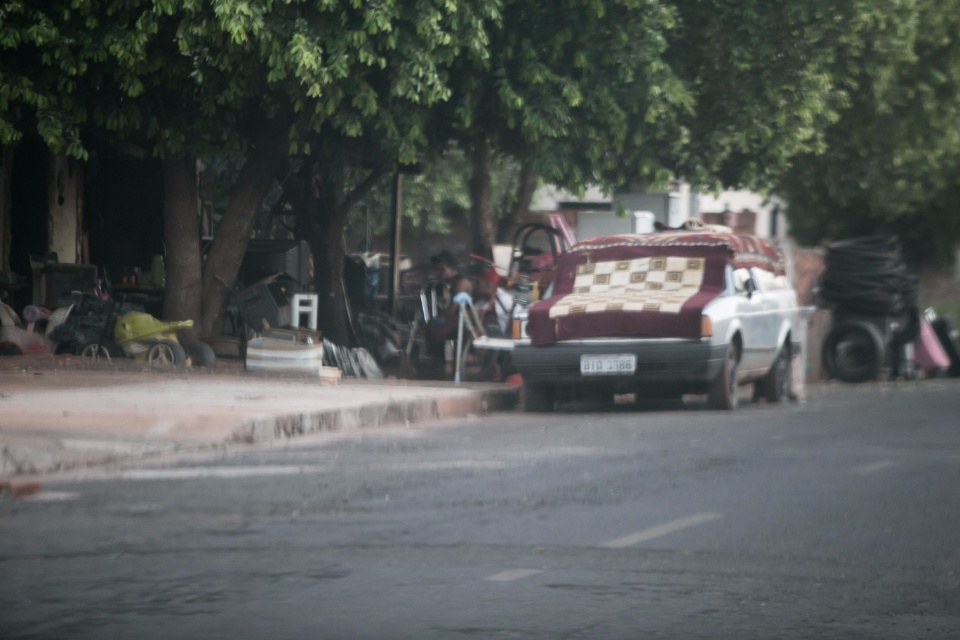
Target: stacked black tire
x=873, y=298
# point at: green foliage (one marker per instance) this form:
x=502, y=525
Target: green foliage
x=182, y=76
x=890, y=162
x=768, y=78
x=429, y=198
x=859, y=98
x=570, y=83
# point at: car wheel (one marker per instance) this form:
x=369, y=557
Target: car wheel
x=853, y=352
x=166, y=354
x=723, y=390
x=775, y=386
x=538, y=397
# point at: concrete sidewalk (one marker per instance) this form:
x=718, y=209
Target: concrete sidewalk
x=59, y=413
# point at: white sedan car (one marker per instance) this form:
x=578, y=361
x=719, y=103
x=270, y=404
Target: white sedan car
x=661, y=315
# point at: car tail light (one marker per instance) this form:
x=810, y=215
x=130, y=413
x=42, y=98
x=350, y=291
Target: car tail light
x=706, y=327
x=519, y=329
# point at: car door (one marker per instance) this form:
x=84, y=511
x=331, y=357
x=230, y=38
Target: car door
x=770, y=299
x=753, y=317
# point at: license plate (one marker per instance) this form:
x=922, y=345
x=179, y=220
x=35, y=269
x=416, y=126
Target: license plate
x=617, y=365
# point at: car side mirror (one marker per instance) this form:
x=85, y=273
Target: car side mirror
x=750, y=286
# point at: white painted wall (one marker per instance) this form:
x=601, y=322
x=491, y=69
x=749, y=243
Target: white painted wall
x=672, y=207
x=738, y=201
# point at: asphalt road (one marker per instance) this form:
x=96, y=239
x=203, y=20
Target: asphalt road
x=836, y=518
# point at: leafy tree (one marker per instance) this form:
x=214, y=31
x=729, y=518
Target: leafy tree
x=434, y=194
x=330, y=96
x=557, y=92
x=891, y=160
x=341, y=85
x=631, y=92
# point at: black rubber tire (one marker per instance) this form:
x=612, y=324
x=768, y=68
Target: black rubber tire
x=200, y=353
x=854, y=352
x=166, y=354
x=723, y=390
x=775, y=386
x=10, y=349
x=538, y=397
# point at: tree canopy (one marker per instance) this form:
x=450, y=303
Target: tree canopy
x=890, y=162
x=847, y=107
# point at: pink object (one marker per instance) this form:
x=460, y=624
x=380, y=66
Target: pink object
x=558, y=222
x=929, y=355
x=515, y=379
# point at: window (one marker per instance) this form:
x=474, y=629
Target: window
x=769, y=281
x=740, y=278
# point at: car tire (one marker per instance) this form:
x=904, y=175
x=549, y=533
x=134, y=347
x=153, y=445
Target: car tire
x=854, y=352
x=775, y=386
x=538, y=397
x=723, y=390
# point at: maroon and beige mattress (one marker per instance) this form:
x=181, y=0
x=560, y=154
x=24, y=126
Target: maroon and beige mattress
x=650, y=285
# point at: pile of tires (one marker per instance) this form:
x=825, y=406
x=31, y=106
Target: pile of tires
x=874, y=303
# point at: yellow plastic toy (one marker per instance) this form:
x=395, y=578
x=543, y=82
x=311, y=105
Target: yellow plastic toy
x=143, y=337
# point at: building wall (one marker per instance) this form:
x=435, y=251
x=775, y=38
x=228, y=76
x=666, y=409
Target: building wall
x=738, y=201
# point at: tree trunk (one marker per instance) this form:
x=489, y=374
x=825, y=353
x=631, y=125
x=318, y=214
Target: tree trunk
x=181, y=230
x=482, y=225
x=323, y=223
x=326, y=243
x=525, y=189
x=233, y=233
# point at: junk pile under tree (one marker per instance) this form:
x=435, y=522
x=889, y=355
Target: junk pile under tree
x=877, y=328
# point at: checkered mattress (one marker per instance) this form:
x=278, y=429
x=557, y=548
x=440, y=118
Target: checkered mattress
x=644, y=284
x=629, y=291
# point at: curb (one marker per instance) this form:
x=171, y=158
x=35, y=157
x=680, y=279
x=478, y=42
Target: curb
x=374, y=415
x=47, y=455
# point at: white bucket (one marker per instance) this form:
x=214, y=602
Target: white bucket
x=502, y=254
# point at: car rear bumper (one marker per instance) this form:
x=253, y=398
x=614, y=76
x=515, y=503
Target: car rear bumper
x=662, y=364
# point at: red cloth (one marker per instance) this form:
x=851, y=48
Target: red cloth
x=744, y=251
x=491, y=275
